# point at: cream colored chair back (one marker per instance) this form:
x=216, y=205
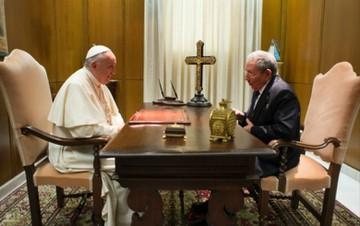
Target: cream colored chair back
x=25, y=87
x=333, y=107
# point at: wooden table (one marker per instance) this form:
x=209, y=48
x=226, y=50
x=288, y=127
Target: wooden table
x=146, y=163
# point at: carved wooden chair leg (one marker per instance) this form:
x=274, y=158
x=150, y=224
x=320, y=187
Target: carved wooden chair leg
x=295, y=199
x=328, y=207
x=263, y=206
x=329, y=197
x=182, y=207
x=33, y=194
x=97, y=208
x=97, y=184
x=60, y=197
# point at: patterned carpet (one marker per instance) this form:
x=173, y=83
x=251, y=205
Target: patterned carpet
x=14, y=210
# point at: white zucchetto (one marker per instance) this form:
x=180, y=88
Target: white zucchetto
x=95, y=50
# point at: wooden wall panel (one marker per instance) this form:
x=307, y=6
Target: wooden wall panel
x=133, y=101
x=69, y=29
x=29, y=27
x=341, y=34
x=134, y=39
x=134, y=56
x=303, y=40
x=272, y=18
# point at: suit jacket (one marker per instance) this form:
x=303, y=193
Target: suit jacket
x=276, y=116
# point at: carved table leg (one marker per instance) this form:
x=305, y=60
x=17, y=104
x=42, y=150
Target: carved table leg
x=172, y=220
x=147, y=206
x=223, y=206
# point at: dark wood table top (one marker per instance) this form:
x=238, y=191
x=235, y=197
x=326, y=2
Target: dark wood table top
x=147, y=139
x=143, y=156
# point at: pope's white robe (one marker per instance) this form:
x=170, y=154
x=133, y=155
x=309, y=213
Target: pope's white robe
x=83, y=107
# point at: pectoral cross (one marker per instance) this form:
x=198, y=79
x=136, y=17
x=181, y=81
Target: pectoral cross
x=199, y=60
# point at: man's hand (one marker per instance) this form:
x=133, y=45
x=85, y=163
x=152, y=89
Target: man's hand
x=249, y=125
x=239, y=114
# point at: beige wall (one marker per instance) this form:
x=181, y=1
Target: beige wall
x=316, y=34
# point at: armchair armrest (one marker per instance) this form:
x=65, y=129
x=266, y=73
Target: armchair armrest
x=277, y=144
x=281, y=146
x=99, y=140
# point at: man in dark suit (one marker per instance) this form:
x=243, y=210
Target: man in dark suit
x=274, y=112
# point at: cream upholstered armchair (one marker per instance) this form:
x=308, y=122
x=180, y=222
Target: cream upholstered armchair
x=25, y=87
x=333, y=107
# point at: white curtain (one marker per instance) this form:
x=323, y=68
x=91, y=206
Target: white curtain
x=230, y=29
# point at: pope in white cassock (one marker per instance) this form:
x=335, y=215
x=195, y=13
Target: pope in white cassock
x=84, y=107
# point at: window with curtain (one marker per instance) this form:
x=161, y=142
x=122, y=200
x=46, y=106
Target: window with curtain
x=230, y=29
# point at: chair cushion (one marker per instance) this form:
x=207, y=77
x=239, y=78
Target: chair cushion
x=46, y=174
x=308, y=175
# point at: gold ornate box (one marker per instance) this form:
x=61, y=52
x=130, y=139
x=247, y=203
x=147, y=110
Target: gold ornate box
x=222, y=122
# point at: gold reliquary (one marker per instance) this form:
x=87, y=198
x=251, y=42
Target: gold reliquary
x=222, y=122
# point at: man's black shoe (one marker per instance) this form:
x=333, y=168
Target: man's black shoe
x=197, y=214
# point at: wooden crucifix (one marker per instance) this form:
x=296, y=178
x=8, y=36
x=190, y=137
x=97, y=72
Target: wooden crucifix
x=199, y=60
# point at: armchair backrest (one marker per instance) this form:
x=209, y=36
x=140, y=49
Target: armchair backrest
x=26, y=91
x=332, y=110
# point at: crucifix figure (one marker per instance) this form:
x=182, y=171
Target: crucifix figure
x=199, y=60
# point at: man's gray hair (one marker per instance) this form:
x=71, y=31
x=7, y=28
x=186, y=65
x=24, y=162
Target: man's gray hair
x=264, y=60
